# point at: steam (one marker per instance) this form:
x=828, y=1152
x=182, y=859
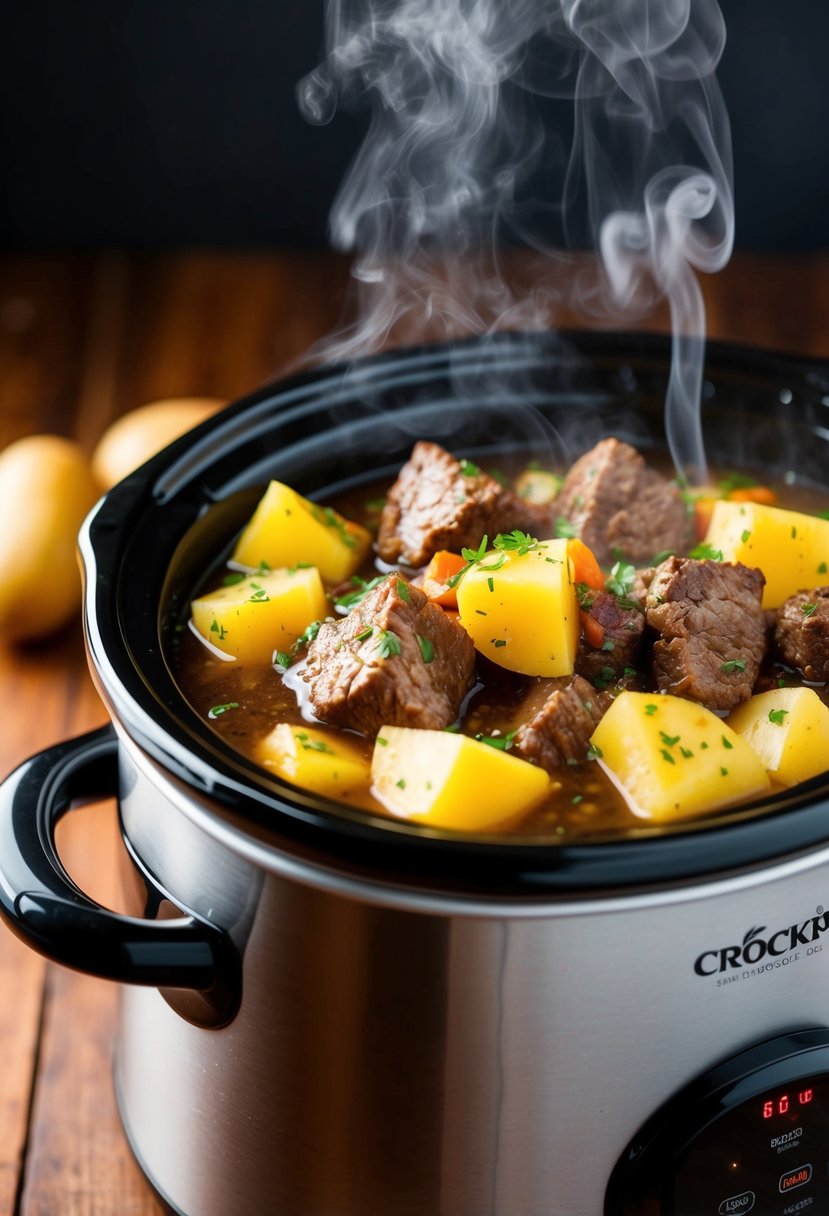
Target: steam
x=437, y=189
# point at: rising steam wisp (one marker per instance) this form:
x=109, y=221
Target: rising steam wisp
x=438, y=185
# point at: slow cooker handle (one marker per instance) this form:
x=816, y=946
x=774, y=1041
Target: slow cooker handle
x=44, y=907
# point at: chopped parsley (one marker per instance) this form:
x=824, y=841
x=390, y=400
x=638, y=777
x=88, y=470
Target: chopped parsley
x=284, y=659
x=650, y=709
x=736, y=481
x=726, y=742
x=744, y=535
x=313, y=745
x=808, y=609
x=621, y=579
x=501, y=742
x=230, y=580
x=403, y=591
x=517, y=542
x=499, y=642
x=469, y=468
x=733, y=665
x=365, y=634
x=470, y=556
x=219, y=629
x=329, y=517
x=594, y=752
x=585, y=596
x=669, y=740
x=218, y=710
x=388, y=644
x=427, y=650
x=706, y=552
x=777, y=715
x=822, y=568
x=260, y=595
x=361, y=590
x=666, y=755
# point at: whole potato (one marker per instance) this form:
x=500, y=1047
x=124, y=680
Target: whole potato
x=46, y=490
x=138, y=435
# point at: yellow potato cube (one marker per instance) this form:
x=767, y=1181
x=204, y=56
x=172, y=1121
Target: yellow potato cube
x=792, y=549
x=319, y=761
x=444, y=780
x=520, y=609
x=674, y=759
x=286, y=529
x=260, y=614
x=788, y=728
x=538, y=486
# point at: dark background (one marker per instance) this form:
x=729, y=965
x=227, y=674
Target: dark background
x=147, y=123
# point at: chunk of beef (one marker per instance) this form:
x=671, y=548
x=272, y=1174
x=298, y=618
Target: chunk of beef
x=396, y=659
x=712, y=630
x=560, y=731
x=435, y=505
x=801, y=633
x=623, y=624
x=619, y=506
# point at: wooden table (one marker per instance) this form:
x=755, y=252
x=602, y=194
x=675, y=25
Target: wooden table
x=84, y=338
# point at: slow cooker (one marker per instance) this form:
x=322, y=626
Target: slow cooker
x=328, y=1014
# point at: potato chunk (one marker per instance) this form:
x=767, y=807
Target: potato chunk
x=674, y=759
x=788, y=728
x=789, y=547
x=520, y=609
x=287, y=529
x=445, y=780
x=316, y=760
x=260, y=614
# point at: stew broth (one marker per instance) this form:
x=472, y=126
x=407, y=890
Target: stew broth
x=242, y=704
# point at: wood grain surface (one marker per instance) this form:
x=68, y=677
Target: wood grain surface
x=83, y=338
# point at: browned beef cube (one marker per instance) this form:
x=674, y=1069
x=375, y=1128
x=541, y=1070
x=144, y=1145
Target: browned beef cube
x=712, y=630
x=396, y=659
x=560, y=731
x=620, y=507
x=801, y=633
x=435, y=505
x=623, y=625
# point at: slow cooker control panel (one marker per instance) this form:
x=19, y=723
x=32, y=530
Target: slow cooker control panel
x=750, y=1135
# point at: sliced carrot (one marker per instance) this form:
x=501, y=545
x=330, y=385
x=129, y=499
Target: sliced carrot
x=703, y=509
x=592, y=629
x=761, y=494
x=585, y=567
x=441, y=568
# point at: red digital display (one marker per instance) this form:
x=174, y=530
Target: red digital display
x=783, y=1103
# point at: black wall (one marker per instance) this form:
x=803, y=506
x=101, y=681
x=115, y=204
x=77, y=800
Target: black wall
x=159, y=122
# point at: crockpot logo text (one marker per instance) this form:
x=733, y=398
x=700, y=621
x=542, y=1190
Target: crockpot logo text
x=755, y=947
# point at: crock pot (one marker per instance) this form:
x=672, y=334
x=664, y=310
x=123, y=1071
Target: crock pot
x=328, y=1014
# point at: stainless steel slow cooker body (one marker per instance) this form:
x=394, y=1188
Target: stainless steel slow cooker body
x=331, y=1015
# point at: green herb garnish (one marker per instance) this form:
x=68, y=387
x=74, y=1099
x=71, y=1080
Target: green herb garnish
x=621, y=579
x=388, y=644
x=469, y=468
x=362, y=588
x=501, y=742
x=777, y=715
x=706, y=552
x=218, y=710
x=427, y=650
x=733, y=665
